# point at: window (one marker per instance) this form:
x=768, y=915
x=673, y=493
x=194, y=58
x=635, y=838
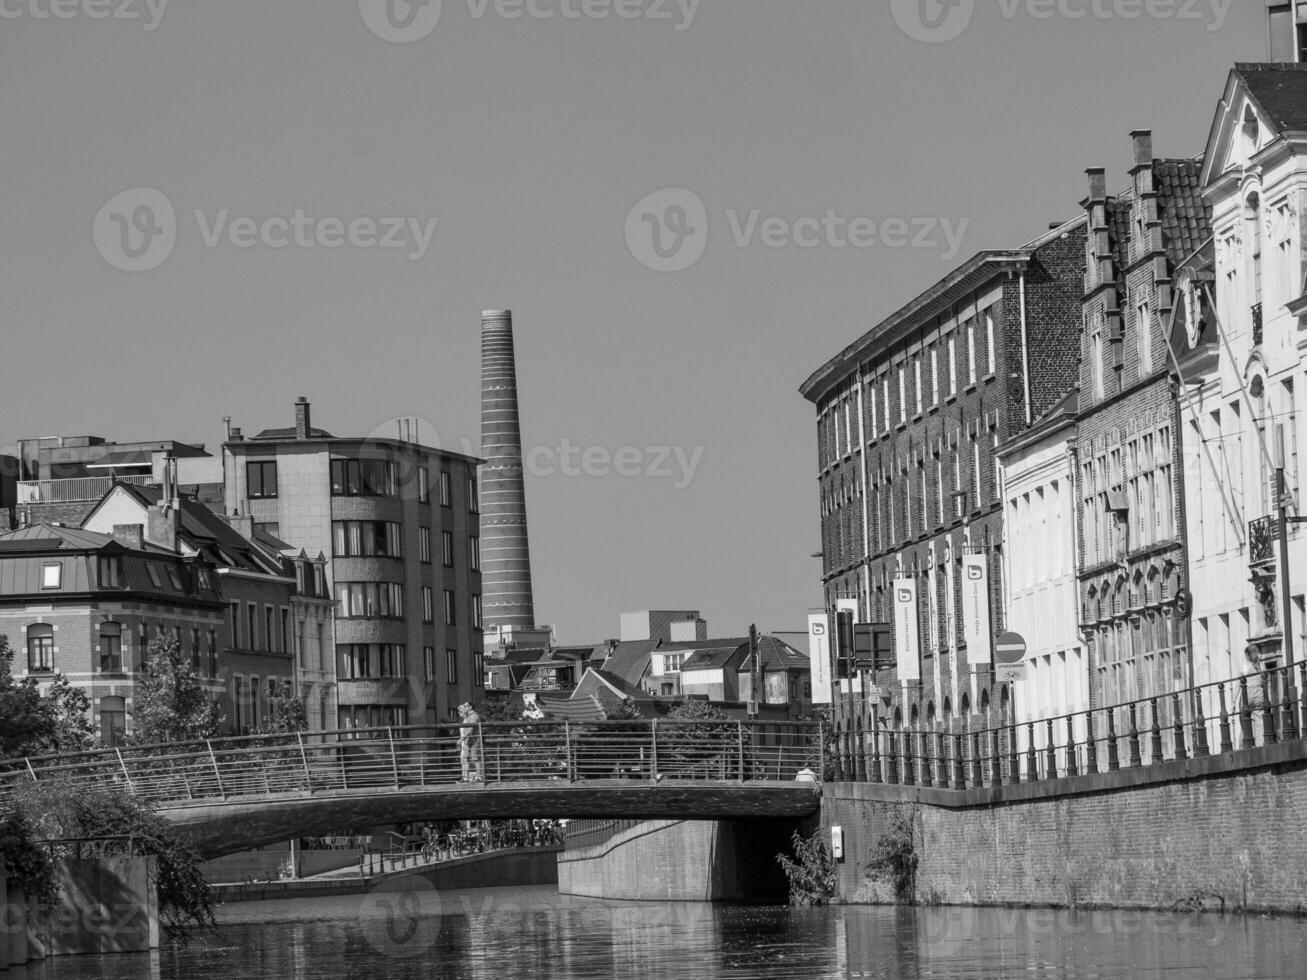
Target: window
x=975, y=473
x=364, y=478
x=1145, y=334
x=143, y=643
x=113, y=721
x=445, y=494
x=428, y=613
x=213, y=653
x=269, y=637
x=953, y=364
x=424, y=545
x=474, y=552
x=903, y=395
x=449, y=608
x=429, y=664
x=939, y=487
x=473, y=498
x=252, y=626
x=989, y=343
x=52, y=575
x=40, y=648
x=476, y=612
x=111, y=572
x=451, y=666
x=478, y=669
x=195, y=650
x=971, y=351
x=916, y=379
x=1096, y=361
x=934, y=375
x=884, y=393
x=269, y=527
x=447, y=545
x=261, y=479
x=424, y=485
x=111, y=646
x=366, y=539
x=369, y=600
x=362, y=661
x=152, y=570
x=285, y=630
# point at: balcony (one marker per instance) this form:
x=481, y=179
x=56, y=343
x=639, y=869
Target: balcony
x=78, y=490
x=1257, y=324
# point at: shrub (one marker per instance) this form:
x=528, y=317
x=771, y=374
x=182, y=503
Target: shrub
x=811, y=871
x=894, y=857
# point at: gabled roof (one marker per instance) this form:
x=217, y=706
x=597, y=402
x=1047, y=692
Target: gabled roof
x=714, y=658
x=629, y=659
x=776, y=654
x=1280, y=89
x=209, y=534
x=595, y=678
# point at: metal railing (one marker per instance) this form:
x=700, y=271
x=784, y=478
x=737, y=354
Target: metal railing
x=180, y=774
x=75, y=489
x=1245, y=712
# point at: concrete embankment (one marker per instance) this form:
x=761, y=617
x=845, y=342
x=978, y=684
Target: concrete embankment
x=496, y=869
x=1216, y=833
x=680, y=861
x=106, y=906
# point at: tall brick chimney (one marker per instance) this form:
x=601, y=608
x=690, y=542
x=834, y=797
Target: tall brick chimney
x=303, y=424
x=505, y=556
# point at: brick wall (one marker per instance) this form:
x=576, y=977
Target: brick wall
x=1229, y=840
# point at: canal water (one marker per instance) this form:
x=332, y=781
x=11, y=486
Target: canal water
x=411, y=931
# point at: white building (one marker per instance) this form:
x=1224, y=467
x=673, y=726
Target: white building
x=1039, y=559
x=1244, y=373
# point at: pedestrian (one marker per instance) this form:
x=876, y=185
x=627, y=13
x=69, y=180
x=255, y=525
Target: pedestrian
x=469, y=742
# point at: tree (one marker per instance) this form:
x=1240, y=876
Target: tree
x=286, y=715
x=36, y=724
x=171, y=706
x=70, y=711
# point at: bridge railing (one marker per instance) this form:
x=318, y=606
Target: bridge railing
x=1251, y=711
x=177, y=774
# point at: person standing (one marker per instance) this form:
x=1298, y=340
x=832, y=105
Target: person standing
x=469, y=742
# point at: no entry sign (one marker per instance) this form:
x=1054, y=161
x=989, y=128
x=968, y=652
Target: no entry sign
x=1009, y=658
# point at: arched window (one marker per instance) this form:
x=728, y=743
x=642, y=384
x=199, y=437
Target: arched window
x=111, y=646
x=912, y=718
x=40, y=648
x=930, y=714
x=984, y=704
x=948, y=710
x=898, y=718
x=1005, y=704
x=966, y=704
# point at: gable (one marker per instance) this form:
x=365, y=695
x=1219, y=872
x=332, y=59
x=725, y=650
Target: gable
x=1260, y=104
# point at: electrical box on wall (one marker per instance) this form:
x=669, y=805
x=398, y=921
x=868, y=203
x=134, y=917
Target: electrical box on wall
x=837, y=843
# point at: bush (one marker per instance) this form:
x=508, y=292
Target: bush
x=894, y=858
x=811, y=871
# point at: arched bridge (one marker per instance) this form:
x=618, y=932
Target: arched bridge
x=236, y=793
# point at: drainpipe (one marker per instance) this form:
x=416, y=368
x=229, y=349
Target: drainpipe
x=1025, y=352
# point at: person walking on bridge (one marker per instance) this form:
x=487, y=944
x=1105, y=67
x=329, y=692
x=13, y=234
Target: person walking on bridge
x=469, y=742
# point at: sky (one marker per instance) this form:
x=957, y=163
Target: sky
x=213, y=208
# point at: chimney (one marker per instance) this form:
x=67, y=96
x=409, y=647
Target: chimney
x=302, y=425
x=242, y=524
x=1143, y=147
x=235, y=435
x=161, y=527
x=1097, y=184
x=130, y=536
x=226, y=428
x=506, y=557
x=1282, y=32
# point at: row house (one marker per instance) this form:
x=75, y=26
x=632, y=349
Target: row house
x=909, y=418
x=1241, y=374
x=1132, y=569
x=86, y=605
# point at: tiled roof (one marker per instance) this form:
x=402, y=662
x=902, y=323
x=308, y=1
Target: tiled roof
x=206, y=532
x=629, y=660
x=1185, y=215
x=776, y=654
x=52, y=538
x=713, y=658
x=1281, y=91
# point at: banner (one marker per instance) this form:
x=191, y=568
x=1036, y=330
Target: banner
x=975, y=609
x=819, y=656
x=906, y=642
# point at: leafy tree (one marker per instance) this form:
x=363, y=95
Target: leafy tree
x=171, y=706
x=70, y=710
x=699, y=737
x=112, y=821
x=287, y=714
x=26, y=722
x=811, y=871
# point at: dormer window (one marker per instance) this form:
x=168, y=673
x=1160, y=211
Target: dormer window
x=52, y=575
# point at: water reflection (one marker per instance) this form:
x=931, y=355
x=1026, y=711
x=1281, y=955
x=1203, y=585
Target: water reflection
x=514, y=934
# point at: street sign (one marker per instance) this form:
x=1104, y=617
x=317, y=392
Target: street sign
x=1010, y=648
x=1010, y=673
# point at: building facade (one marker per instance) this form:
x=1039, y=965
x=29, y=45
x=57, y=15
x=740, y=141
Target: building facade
x=909, y=417
x=400, y=524
x=86, y=605
x=1239, y=403
x=1132, y=572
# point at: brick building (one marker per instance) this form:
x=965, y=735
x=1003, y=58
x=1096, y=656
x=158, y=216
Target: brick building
x=278, y=629
x=86, y=605
x=1128, y=465
x=908, y=419
x=400, y=524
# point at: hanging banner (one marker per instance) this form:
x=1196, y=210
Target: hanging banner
x=819, y=656
x=975, y=609
x=907, y=645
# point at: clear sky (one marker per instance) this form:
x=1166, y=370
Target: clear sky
x=530, y=139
